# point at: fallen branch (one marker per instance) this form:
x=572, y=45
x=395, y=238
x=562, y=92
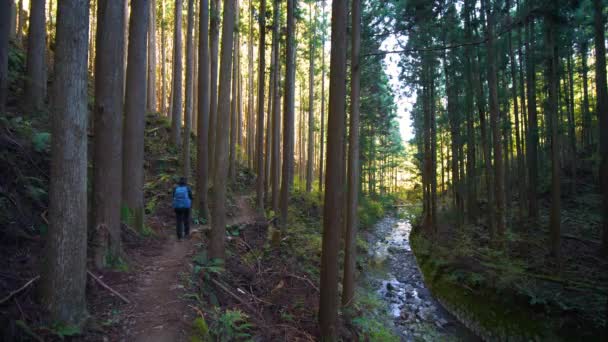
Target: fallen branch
x=305, y=279
x=258, y=321
x=107, y=287
x=10, y=295
x=572, y=237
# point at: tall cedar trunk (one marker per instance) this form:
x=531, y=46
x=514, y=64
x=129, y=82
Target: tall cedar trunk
x=433, y=166
x=288, y=113
x=218, y=219
x=259, y=146
x=233, y=109
x=135, y=116
x=552, y=116
x=499, y=181
x=350, y=238
x=250, y=139
x=586, y=113
x=311, y=112
x=202, y=138
x=469, y=95
x=20, y=22
x=176, y=89
x=322, y=135
x=276, y=102
x=163, y=62
x=4, y=45
x=35, y=80
x=571, y=122
x=532, y=142
x=602, y=111
x=189, y=89
x=522, y=92
x=11, y=20
x=214, y=33
x=195, y=39
x=485, y=143
x=268, y=141
x=334, y=183
x=427, y=219
x=107, y=154
x=63, y=278
x=454, y=121
x=151, y=97
x=521, y=184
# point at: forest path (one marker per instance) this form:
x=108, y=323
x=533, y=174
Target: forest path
x=158, y=309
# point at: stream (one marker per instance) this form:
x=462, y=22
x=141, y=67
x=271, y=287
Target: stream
x=414, y=313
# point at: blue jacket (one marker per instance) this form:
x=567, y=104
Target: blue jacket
x=182, y=197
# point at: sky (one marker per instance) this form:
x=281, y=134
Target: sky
x=404, y=103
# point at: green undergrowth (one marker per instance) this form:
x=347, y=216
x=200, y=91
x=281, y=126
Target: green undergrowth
x=502, y=296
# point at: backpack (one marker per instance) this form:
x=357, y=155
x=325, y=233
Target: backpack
x=181, y=199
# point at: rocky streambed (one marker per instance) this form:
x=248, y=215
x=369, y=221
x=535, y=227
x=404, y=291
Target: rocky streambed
x=413, y=311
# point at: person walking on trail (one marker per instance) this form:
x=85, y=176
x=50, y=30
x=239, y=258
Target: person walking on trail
x=182, y=202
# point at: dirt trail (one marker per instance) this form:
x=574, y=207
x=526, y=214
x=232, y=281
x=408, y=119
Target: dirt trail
x=158, y=309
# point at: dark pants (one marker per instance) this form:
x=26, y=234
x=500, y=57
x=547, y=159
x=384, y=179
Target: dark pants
x=182, y=216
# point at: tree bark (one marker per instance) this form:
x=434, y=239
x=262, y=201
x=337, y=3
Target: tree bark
x=218, y=221
x=602, y=111
x=163, y=72
x=552, y=116
x=135, y=116
x=214, y=33
x=189, y=89
x=499, y=181
x=350, y=238
x=259, y=147
x=288, y=114
x=63, y=279
x=202, y=137
x=276, y=102
x=107, y=154
x=469, y=95
x=532, y=143
x=176, y=112
x=586, y=113
x=151, y=97
x=334, y=183
x=322, y=135
x=4, y=45
x=233, y=109
x=35, y=81
x=311, y=111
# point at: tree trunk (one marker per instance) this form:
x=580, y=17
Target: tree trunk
x=135, y=116
x=250, y=120
x=322, y=135
x=276, y=102
x=499, y=181
x=4, y=45
x=176, y=112
x=189, y=89
x=107, y=154
x=11, y=20
x=63, y=278
x=233, y=109
x=151, y=97
x=311, y=112
x=586, y=113
x=602, y=111
x=532, y=143
x=469, y=95
x=288, y=113
x=520, y=162
x=214, y=33
x=35, y=80
x=350, y=238
x=163, y=72
x=334, y=184
x=259, y=147
x=218, y=220
x=552, y=115
x=571, y=121
x=202, y=138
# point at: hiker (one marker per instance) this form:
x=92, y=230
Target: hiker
x=182, y=201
